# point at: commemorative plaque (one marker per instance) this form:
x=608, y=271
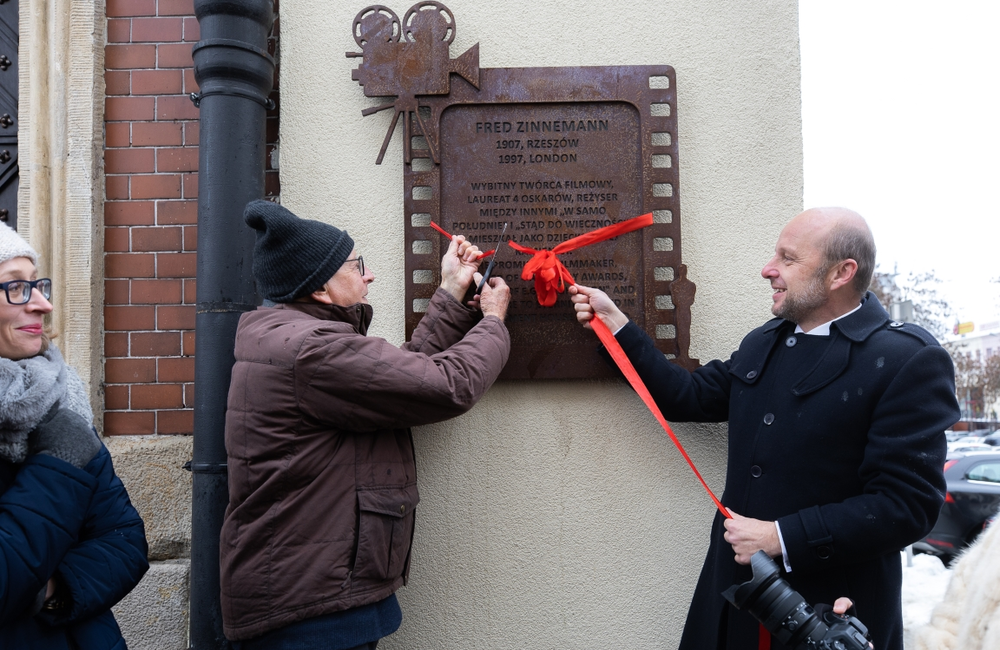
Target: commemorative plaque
x=554, y=153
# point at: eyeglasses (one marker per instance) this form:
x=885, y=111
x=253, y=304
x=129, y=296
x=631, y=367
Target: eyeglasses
x=19, y=291
x=361, y=263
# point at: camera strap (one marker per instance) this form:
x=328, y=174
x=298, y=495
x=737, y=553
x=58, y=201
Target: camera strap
x=621, y=359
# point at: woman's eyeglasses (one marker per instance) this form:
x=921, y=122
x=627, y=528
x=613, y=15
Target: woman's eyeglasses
x=19, y=291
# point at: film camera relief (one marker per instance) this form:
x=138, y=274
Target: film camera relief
x=552, y=152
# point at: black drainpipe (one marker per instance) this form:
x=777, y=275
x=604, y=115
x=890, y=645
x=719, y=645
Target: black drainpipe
x=234, y=74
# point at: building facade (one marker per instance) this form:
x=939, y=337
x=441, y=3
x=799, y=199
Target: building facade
x=554, y=513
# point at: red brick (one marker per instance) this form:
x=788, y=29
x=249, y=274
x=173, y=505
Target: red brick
x=128, y=161
x=191, y=238
x=119, y=30
x=128, y=423
x=116, y=397
x=156, y=292
x=116, y=187
x=147, y=134
x=189, y=395
x=130, y=265
x=190, y=85
x=190, y=293
x=129, y=318
x=191, y=133
x=156, y=186
x=117, y=82
x=175, y=422
x=156, y=239
x=178, y=369
x=157, y=30
x=157, y=396
x=116, y=293
x=128, y=213
x=176, y=212
x=176, y=107
x=131, y=8
x=175, y=7
x=191, y=186
x=177, y=160
x=129, y=371
x=116, y=344
x=272, y=184
x=117, y=134
x=128, y=108
x=173, y=317
x=188, y=343
x=154, y=344
x=271, y=127
x=131, y=57
x=157, y=82
x=176, y=265
x=116, y=240
x=173, y=56
x=192, y=31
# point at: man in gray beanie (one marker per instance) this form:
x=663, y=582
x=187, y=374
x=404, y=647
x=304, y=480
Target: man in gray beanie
x=322, y=479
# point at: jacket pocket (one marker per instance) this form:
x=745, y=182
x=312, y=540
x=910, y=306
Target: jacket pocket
x=385, y=530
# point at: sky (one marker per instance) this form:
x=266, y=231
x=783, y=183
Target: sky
x=901, y=122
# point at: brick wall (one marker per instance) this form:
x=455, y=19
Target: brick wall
x=150, y=215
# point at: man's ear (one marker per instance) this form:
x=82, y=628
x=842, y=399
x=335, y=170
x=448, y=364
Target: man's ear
x=843, y=274
x=321, y=295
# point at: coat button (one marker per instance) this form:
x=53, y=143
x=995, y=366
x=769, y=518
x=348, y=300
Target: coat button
x=791, y=341
x=751, y=374
x=402, y=509
x=824, y=552
x=769, y=418
x=756, y=471
x=895, y=324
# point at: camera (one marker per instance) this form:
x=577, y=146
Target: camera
x=785, y=613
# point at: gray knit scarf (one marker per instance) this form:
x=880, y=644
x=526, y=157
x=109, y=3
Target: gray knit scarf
x=28, y=389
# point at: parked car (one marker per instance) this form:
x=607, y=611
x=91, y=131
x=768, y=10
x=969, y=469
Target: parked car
x=972, y=501
x=993, y=438
x=966, y=447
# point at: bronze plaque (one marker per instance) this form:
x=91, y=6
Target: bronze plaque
x=555, y=153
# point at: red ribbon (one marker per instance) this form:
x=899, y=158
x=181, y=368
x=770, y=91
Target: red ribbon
x=611, y=344
x=445, y=233
x=549, y=273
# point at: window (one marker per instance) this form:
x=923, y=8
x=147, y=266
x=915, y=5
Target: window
x=988, y=472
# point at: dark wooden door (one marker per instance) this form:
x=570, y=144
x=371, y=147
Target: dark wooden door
x=8, y=111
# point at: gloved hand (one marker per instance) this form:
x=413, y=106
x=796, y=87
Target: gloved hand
x=65, y=435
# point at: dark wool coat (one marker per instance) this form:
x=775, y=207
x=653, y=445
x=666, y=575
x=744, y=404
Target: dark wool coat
x=845, y=452
x=76, y=524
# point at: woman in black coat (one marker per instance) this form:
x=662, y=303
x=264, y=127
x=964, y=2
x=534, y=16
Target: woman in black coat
x=71, y=544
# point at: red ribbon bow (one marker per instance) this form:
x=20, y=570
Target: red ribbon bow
x=549, y=273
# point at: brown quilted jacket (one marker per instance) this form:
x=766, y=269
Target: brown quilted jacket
x=322, y=480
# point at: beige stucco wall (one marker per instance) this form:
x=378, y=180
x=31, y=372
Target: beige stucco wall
x=557, y=514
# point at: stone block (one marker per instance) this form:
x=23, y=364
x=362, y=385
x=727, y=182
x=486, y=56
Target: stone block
x=154, y=616
x=151, y=469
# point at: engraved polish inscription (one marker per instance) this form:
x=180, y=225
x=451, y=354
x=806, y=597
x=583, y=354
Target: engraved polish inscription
x=552, y=171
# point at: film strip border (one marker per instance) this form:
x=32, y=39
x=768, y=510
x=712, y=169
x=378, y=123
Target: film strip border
x=651, y=89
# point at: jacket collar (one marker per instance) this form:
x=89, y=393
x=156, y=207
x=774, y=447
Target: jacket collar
x=854, y=328
x=358, y=315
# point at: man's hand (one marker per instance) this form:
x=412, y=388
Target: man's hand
x=458, y=265
x=495, y=296
x=747, y=536
x=587, y=302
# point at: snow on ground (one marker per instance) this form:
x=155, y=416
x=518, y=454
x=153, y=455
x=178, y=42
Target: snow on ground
x=924, y=585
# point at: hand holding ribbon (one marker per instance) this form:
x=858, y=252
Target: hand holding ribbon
x=549, y=273
x=445, y=233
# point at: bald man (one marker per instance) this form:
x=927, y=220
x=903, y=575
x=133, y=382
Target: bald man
x=836, y=433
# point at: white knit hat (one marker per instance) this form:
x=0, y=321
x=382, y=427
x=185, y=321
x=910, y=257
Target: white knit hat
x=13, y=245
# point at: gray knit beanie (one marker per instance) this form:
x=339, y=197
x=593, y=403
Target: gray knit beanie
x=293, y=257
x=13, y=245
